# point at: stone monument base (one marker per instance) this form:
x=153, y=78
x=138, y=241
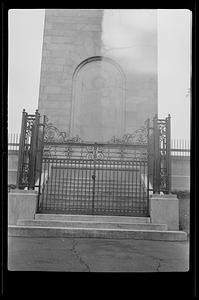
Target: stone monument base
x=21, y=205
x=164, y=209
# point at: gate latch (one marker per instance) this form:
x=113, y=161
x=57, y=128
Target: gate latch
x=93, y=177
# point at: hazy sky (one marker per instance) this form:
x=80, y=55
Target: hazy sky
x=174, y=53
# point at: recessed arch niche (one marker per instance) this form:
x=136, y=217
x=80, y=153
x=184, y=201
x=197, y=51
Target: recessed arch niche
x=98, y=100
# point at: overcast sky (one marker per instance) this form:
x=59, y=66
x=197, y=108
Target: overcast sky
x=174, y=53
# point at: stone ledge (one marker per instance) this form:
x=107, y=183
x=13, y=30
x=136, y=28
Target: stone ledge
x=97, y=233
x=23, y=192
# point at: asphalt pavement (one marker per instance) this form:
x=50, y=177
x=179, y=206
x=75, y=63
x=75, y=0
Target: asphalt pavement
x=96, y=255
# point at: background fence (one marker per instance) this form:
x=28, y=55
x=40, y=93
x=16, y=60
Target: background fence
x=180, y=147
x=13, y=141
x=180, y=161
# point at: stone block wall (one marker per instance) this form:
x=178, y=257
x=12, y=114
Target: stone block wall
x=70, y=36
x=73, y=35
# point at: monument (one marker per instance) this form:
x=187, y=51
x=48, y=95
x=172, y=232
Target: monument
x=88, y=91
x=94, y=159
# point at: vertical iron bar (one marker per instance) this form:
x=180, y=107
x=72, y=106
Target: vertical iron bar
x=135, y=198
x=40, y=169
x=37, y=153
x=59, y=186
x=112, y=200
x=41, y=162
x=74, y=201
x=67, y=185
x=94, y=174
x=156, y=155
x=148, y=164
x=47, y=202
x=64, y=200
x=85, y=184
x=128, y=188
x=105, y=205
x=70, y=183
x=89, y=185
x=21, y=150
x=14, y=143
x=169, y=153
x=79, y=197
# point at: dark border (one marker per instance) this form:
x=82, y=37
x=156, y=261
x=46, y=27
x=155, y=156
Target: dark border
x=150, y=285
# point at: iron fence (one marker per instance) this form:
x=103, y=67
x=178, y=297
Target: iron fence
x=93, y=186
x=77, y=176
x=180, y=147
x=13, y=141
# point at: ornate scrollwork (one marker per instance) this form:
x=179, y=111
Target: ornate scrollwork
x=99, y=153
x=47, y=151
x=162, y=132
x=93, y=152
x=90, y=152
x=68, y=152
x=53, y=134
x=25, y=174
x=163, y=180
x=29, y=126
x=139, y=136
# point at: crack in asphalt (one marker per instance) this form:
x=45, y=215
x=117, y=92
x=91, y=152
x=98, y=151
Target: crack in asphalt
x=150, y=256
x=79, y=257
x=158, y=267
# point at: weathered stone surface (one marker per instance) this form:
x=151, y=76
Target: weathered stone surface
x=21, y=204
x=72, y=36
x=98, y=99
x=54, y=61
x=51, y=67
x=55, y=90
x=165, y=209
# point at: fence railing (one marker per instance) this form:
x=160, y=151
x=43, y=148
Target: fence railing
x=180, y=147
x=13, y=141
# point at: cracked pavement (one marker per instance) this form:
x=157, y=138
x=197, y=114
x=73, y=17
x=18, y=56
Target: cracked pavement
x=78, y=256
x=96, y=255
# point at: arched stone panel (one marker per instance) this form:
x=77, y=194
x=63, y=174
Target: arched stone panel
x=98, y=100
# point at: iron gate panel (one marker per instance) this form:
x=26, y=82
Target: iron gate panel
x=74, y=176
x=79, y=177
x=89, y=186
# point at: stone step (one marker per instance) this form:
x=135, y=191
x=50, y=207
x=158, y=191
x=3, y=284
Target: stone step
x=75, y=210
x=93, y=218
x=38, y=231
x=91, y=224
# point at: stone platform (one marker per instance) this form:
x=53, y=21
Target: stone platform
x=108, y=227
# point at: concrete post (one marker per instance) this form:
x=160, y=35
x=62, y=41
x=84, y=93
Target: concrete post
x=164, y=209
x=21, y=205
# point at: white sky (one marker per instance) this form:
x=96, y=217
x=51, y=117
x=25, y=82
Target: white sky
x=174, y=54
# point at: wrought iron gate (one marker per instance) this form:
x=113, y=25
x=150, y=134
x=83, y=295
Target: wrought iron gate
x=30, y=150
x=93, y=184
x=77, y=177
